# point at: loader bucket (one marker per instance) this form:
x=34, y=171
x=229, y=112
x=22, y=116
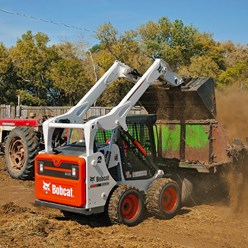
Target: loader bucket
x=194, y=100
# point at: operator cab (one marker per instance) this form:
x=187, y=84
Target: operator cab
x=70, y=142
x=136, y=148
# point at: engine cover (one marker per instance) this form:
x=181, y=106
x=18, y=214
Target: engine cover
x=60, y=179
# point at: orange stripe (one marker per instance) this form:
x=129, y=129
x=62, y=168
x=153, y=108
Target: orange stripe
x=143, y=151
x=56, y=169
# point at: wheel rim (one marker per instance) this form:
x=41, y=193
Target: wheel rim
x=130, y=207
x=17, y=154
x=169, y=199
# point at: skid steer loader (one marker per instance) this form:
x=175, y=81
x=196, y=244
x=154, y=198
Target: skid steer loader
x=117, y=177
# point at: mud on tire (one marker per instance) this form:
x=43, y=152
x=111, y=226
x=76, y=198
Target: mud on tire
x=163, y=198
x=21, y=147
x=125, y=206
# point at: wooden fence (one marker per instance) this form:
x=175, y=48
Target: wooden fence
x=7, y=111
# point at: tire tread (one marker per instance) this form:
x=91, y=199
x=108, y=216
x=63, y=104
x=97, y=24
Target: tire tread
x=28, y=135
x=153, y=198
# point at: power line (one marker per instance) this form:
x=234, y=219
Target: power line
x=46, y=21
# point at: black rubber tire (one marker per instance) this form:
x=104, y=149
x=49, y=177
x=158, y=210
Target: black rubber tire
x=21, y=147
x=125, y=206
x=163, y=198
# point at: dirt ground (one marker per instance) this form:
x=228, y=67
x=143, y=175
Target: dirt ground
x=209, y=222
x=22, y=224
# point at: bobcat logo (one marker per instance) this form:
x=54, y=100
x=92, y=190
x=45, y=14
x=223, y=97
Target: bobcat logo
x=46, y=187
x=92, y=179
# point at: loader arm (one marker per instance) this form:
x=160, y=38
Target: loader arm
x=117, y=116
x=159, y=70
x=74, y=117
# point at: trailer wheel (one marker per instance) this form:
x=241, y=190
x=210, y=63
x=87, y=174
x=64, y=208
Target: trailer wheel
x=21, y=147
x=125, y=206
x=163, y=198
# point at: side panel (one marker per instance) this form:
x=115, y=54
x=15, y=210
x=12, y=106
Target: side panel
x=220, y=144
x=197, y=143
x=99, y=180
x=60, y=179
x=168, y=143
x=188, y=142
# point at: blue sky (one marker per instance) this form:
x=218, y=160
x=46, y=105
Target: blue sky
x=225, y=19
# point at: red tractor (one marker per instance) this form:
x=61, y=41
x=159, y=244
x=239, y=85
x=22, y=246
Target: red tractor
x=20, y=140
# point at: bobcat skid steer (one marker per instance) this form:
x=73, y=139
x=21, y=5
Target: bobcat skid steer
x=93, y=174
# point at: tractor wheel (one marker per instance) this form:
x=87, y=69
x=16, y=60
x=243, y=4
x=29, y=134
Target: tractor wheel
x=125, y=206
x=163, y=198
x=21, y=147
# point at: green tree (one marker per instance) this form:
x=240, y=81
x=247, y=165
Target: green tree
x=235, y=75
x=8, y=79
x=32, y=58
x=125, y=48
x=62, y=74
x=69, y=73
x=173, y=41
x=202, y=66
x=236, y=63
x=233, y=53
